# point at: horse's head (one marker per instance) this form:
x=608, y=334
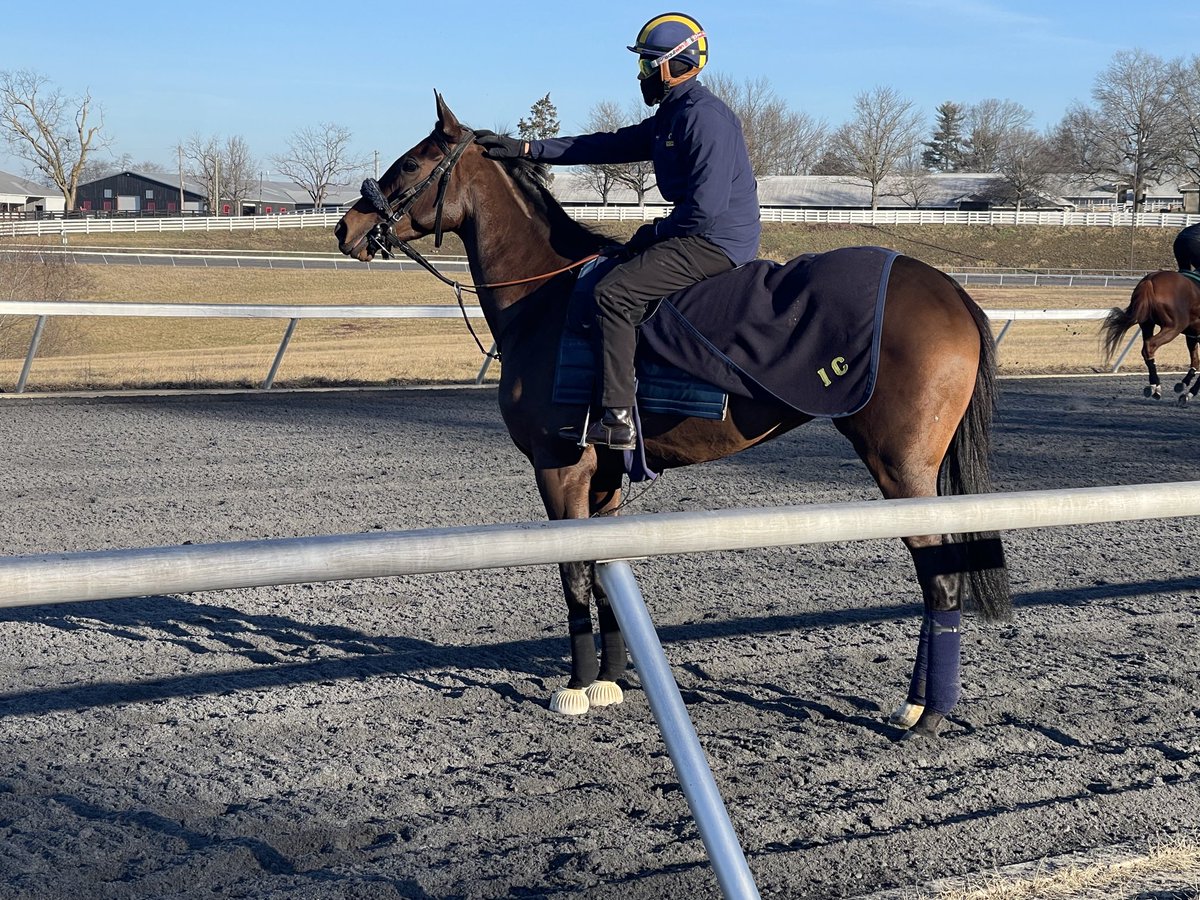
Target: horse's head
x=413, y=196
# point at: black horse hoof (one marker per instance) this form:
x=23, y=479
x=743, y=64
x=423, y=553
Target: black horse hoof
x=1149, y=391
x=1180, y=388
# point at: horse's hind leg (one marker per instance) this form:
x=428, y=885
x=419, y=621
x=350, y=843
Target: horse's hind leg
x=1149, y=347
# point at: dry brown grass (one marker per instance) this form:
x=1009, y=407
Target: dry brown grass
x=180, y=352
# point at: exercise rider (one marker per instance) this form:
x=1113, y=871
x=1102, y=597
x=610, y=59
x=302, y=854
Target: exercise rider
x=702, y=167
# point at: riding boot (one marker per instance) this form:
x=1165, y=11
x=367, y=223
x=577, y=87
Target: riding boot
x=615, y=429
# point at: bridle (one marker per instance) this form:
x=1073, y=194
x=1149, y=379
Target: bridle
x=382, y=238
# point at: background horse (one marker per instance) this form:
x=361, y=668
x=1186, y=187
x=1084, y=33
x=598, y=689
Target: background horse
x=1170, y=302
x=925, y=430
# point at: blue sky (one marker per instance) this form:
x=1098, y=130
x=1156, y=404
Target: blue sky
x=262, y=70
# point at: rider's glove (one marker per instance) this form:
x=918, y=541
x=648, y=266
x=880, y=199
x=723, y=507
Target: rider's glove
x=500, y=146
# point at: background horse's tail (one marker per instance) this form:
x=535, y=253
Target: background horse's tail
x=1120, y=320
x=965, y=470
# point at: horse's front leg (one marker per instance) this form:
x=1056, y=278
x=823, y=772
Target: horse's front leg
x=605, y=691
x=1193, y=341
x=567, y=494
x=935, y=685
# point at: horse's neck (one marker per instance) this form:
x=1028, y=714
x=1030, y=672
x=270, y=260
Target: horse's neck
x=509, y=239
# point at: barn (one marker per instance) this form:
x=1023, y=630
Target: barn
x=134, y=193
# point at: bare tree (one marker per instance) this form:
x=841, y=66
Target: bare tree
x=780, y=141
x=989, y=124
x=203, y=156
x=885, y=131
x=1131, y=134
x=1025, y=168
x=239, y=172
x=1187, y=94
x=225, y=170
x=96, y=168
x=317, y=158
x=912, y=183
x=603, y=177
x=48, y=129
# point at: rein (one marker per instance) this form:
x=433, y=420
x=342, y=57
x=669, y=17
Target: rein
x=382, y=238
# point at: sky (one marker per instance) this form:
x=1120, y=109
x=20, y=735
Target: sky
x=164, y=72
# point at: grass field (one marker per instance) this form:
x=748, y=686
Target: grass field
x=103, y=353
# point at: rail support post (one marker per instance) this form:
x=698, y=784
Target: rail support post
x=1125, y=352
x=33, y=345
x=283, y=345
x=683, y=745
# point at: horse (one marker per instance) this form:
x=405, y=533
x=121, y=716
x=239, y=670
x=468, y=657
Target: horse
x=924, y=432
x=1170, y=302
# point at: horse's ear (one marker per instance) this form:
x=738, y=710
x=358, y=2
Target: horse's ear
x=447, y=122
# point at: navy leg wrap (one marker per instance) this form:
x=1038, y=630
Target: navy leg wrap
x=916, y=687
x=1152, y=369
x=942, y=689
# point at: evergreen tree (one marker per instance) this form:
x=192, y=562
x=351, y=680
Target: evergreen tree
x=944, y=153
x=542, y=122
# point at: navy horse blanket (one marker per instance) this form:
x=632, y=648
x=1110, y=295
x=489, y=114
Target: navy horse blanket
x=805, y=332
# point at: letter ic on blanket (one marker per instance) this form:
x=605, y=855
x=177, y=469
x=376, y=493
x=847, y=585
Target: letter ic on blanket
x=839, y=368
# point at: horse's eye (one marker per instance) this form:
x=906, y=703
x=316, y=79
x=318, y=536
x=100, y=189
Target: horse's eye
x=410, y=165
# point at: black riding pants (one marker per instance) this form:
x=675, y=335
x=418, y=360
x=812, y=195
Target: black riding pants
x=624, y=293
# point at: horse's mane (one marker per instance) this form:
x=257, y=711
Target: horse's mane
x=533, y=178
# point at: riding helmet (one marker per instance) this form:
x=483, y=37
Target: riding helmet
x=671, y=36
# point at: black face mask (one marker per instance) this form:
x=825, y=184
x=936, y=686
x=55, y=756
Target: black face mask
x=653, y=90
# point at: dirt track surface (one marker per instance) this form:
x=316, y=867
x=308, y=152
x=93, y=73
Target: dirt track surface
x=390, y=738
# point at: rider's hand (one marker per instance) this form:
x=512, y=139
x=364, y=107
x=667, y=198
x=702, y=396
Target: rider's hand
x=642, y=238
x=500, y=146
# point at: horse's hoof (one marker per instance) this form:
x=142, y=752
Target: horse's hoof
x=1147, y=391
x=604, y=693
x=905, y=715
x=918, y=735
x=569, y=702
x=1180, y=388
x=1184, y=398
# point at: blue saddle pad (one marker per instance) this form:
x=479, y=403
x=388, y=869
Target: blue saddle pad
x=661, y=388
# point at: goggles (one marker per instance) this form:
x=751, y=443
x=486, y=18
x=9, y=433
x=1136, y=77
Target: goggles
x=647, y=65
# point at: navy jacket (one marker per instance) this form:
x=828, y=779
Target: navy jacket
x=700, y=160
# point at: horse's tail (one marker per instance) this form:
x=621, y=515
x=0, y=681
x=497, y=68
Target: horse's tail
x=966, y=470
x=1118, y=321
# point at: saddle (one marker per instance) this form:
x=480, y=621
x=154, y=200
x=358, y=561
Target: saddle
x=804, y=333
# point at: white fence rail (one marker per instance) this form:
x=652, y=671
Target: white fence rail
x=90, y=225
x=115, y=574
x=43, y=309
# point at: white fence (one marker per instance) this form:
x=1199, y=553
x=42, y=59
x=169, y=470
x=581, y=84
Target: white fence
x=115, y=574
x=88, y=225
x=44, y=309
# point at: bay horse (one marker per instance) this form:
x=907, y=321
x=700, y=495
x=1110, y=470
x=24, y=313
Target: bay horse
x=1170, y=302
x=925, y=430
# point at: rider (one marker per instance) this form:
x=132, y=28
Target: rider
x=1187, y=249
x=702, y=166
